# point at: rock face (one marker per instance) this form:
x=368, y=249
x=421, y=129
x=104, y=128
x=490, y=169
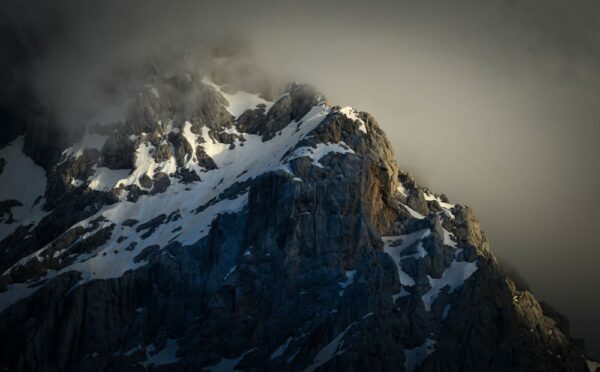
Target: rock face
x=220, y=231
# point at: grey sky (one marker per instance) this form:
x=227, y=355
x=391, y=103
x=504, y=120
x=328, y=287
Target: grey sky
x=496, y=104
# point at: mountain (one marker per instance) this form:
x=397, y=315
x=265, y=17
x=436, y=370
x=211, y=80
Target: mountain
x=212, y=223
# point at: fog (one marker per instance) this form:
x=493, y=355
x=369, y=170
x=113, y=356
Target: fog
x=497, y=105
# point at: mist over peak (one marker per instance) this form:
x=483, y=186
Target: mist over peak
x=494, y=103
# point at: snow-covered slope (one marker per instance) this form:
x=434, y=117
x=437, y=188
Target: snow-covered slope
x=236, y=162
x=193, y=227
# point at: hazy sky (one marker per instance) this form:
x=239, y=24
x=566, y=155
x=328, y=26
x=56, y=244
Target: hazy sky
x=498, y=106
x=496, y=103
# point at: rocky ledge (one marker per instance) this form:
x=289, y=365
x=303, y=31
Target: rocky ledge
x=204, y=227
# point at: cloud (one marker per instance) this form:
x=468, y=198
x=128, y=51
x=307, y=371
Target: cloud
x=493, y=103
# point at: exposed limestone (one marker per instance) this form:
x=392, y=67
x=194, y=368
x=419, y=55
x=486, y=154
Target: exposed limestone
x=344, y=263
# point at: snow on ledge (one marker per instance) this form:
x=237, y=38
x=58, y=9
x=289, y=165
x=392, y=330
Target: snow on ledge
x=105, y=179
x=322, y=149
x=430, y=197
x=330, y=350
x=453, y=277
x=167, y=355
x=228, y=364
x=240, y=101
x=352, y=114
x=416, y=356
x=395, y=251
x=235, y=165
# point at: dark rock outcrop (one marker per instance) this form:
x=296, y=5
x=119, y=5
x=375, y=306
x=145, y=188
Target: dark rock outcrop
x=333, y=260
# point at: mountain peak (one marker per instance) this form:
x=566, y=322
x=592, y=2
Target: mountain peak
x=198, y=225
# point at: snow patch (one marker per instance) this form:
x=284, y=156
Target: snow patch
x=429, y=197
x=446, y=311
x=239, y=101
x=448, y=239
x=281, y=349
x=413, y=213
x=349, y=280
x=216, y=150
x=230, y=272
x=453, y=277
x=395, y=251
x=416, y=356
x=167, y=355
x=352, y=114
x=190, y=137
x=329, y=351
x=322, y=149
x=105, y=179
x=236, y=164
x=76, y=183
x=403, y=293
x=226, y=365
x=401, y=189
x=592, y=365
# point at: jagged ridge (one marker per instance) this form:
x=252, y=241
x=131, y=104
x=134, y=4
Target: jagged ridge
x=219, y=230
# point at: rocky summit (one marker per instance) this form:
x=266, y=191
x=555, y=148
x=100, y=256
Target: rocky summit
x=205, y=224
